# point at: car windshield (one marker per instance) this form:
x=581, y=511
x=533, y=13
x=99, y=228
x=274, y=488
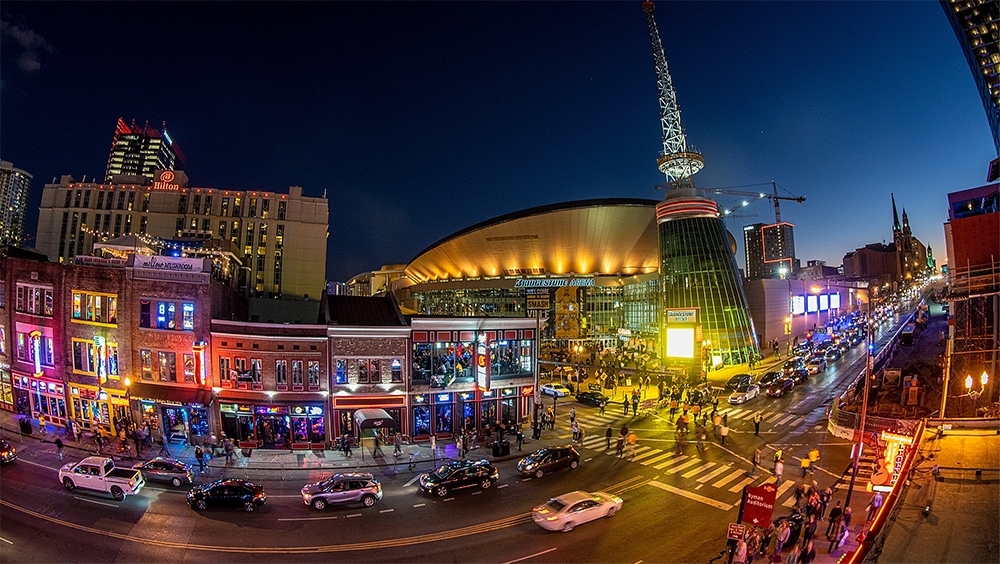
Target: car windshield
x=742, y=388
x=816, y=361
x=443, y=472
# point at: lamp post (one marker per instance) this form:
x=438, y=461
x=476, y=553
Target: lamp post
x=968, y=392
x=128, y=401
x=864, y=402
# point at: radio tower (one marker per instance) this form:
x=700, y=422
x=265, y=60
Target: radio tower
x=678, y=162
x=697, y=255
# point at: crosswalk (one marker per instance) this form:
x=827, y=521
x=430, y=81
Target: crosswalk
x=727, y=478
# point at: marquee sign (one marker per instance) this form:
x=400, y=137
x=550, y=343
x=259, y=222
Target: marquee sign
x=168, y=264
x=483, y=362
x=552, y=282
x=889, y=462
x=682, y=315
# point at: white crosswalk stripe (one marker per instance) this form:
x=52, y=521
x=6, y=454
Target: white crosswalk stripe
x=772, y=417
x=663, y=465
x=728, y=478
x=785, y=419
x=713, y=474
x=652, y=451
x=697, y=470
x=657, y=459
x=739, y=485
x=687, y=464
x=784, y=487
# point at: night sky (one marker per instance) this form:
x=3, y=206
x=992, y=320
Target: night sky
x=420, y=119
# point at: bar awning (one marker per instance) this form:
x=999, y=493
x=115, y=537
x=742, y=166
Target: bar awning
x=373, y=419
x=176, y=394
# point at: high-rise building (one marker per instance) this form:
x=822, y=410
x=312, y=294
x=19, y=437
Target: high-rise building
x=278, y=237
x=977, y=26
x=14, y=186
x=139, y=151
x=770, y=250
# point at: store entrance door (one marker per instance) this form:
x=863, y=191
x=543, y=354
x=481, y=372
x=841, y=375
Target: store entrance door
x=274, y=430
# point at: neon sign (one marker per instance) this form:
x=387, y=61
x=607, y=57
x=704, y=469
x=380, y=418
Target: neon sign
x=199, y=360
x=101, y=356
x=36, y=345
x=483, y=362
x=889, y=463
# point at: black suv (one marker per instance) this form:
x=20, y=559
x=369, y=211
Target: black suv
x=227, y=493
x=591, y=398
x=737, y=381
x=548, y=460
x=457, y=475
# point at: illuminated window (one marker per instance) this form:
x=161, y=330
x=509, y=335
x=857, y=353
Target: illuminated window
x=264, y=205
x=94, y=307
x=224, y=371
x=397, y=370
x=340, y=377
x=362, y=371
x=36, y=300
x=189, y=368
x=296, y=372
x=281, y=372
x=147, y=364
x=313, y=370
x=281, y=210
x=83, y=356
x=188, y=319
x=252, y=211
x=224, y=212
x=168, y=366
x=255, y=370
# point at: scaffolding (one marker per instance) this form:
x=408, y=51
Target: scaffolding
x=974, y=296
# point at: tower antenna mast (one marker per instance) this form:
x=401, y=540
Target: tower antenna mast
x=678, y=162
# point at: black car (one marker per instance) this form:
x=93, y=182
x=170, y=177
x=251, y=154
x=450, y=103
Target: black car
x=798, y=376
x=792, y=365
x=457, y=475
x=591, y=398
x=737, y=381
x=7, y=452
x=779, y=388
x=770, y=378
x=833, y=354
x=166, y=470
x=795, y=521
x=227, y=493
x=547, y=460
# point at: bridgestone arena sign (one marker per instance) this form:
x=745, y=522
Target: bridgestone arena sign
x=552, y=282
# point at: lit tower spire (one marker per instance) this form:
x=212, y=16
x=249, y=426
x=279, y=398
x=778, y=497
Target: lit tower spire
x=678, y=162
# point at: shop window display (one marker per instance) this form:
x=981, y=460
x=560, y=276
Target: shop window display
x=443, y=418
x=421, y=420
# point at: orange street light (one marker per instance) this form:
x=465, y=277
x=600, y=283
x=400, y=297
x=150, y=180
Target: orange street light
x=968, y=382
x=984, y=379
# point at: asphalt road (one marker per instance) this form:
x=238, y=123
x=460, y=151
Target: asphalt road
x=676, y=508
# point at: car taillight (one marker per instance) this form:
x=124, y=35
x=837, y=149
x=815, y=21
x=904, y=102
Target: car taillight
x=552, y=518
x=130, y=483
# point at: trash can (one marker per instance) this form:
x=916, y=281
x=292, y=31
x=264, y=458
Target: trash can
x=25, y=424
x=496, y=448
x=504, y=447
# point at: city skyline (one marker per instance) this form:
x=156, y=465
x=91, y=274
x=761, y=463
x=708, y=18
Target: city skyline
x=543, y=103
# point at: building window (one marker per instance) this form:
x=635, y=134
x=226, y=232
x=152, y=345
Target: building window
x=222, y=229
x=144, y=313
x=208, y=205
x=236, y=233
x=76, y=201
x=313, y=370
x=86, y=199
x=100, y=200
x=128, y=223
x=113, y=360
x=142, y=224
x=297, y=373
x=194, y=224
x=121, y=200
x=69, y=197
x=83, y=356
x=252, y=211
x=363, y=371
x=26, y=349
x=94, y=307
x=340, y=376
x=168, y=366
x=375, y=374
x=281, y=372
x=189, y=368
x=146, y=357
x=196, y=203
x=281, y=210
x=145, y=202
x=224, y=212
x=397, y=370
x=182, y=204
x=36, y=300
x=236, y=207
x=205, y=225
x=165, y=315
x=264, y=204
x=224, y=374
x=131, y=200
x=255, y=371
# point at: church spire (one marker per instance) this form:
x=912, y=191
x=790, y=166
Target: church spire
x=895, y=216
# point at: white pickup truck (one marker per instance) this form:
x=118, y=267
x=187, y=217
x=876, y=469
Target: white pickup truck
x=98, y=473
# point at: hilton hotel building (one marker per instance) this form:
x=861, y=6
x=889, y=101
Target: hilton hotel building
x=276, y=236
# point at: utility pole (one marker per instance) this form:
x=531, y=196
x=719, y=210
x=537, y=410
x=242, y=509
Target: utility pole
x=864, y=403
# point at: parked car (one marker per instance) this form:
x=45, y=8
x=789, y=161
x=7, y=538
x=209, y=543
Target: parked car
x=744, y=393
x=100, y=474
x=458, y=475
x=799, y=376
x=575, y=508
x=7, y=452
x=547, y=460
x=737, y=381
x=779, y=388
x=591, y=398
x=166, y=470
x=555, y=389
x=227, y=493
x=816, y=365
x=343, y=488
x=769, y=378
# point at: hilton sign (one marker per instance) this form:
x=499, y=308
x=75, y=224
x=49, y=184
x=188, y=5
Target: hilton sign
x=169, y=180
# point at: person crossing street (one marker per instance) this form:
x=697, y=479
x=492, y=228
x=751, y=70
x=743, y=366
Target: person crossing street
x=607, y=438
x=757, y=418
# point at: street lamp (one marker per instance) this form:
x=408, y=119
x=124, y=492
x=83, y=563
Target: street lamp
x=128, y=407
x=968, y=391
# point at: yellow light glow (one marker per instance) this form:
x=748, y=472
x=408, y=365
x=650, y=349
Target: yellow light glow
x=680, y=342
x=968, y=382
x=984, y=379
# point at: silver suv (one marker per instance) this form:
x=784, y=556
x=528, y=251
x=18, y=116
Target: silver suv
x=343, y=488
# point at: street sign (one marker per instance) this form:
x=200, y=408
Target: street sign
x=736, y=531
x=759, y=505
x=538, y=304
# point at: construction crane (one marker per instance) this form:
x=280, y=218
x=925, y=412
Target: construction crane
x=678, y=162
x=754, y=196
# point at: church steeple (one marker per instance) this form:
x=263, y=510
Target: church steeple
x=895, y=216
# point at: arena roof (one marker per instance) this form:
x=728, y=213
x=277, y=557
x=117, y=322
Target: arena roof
x=603, y=236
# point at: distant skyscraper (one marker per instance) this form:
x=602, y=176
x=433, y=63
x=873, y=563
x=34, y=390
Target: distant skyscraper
x=138, y=151
x=977, y=25
x=14, y=186
x=769, y=249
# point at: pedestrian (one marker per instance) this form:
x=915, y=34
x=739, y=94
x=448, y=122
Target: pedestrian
x=874, y=505
x=59, y=447
x=572, y=414
x=576, y=430
x=346, y=443
x=635, y=405
x=458, y=446
x=229, y=449
x=624, y=430
x=756, y=423
x=799, y=494
x=769, y=534
x=839, y=531
x=199, y=455
x=835, y=514
x=793, y=555
x=779, y=468
x=808, y=554
x=756, y=462
x=398, y=441
x=804, y=466
x=778, y=453
x=700, y=433
x=163, y=447
x=809, y=530
x=604, y=403
x=673, y=408
x=99, y=439
x=378, y=447
x=717, y=425
x=607, y=438
x=579, y=436
x=625, y=405
x=632, y=439
x=784, y=531
x=520, y=438
x=725, y=419
x=824, y=500
x=725, y=432
x=740, y=552
x=620, y=445
x=753, y=544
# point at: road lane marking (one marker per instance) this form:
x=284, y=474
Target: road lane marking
x=476, y=493
x=713, y=474
x=352, y=515
x=5, y=540
x=94, y=501
x=673, y=469
x=697, y=470
x=423, y=504
x=783, y=488
x=645, y=454
x=531, y=556
x=387, y=511
x=414, y=479
x=657, y=459
x=728, y=479
x=785, y=419
x=308, y=518
x=498, y=487
x=23, y=461
x=662, y=465
x=692, y=496
x=739, y=485
x=589, y=459
x=449, y=499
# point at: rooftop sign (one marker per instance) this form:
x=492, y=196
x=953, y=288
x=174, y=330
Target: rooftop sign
x=552, y=282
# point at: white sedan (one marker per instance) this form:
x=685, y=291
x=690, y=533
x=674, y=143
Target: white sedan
x=744, y=393
x=575, y=508
x=816, y=365
x=557, y=390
